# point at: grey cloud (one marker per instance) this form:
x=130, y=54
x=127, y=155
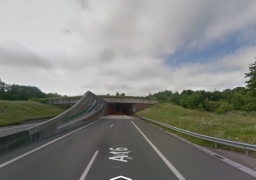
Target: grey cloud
x=19, y=56
x=158, y=28
x=109, y=86
x=106, y=55
x=84, y=4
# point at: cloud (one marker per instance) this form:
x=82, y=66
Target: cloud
x=108, y=46
x=19, y=56
x=84, y=4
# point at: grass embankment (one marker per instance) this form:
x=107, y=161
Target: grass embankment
x=235, y=126
x=15, y=112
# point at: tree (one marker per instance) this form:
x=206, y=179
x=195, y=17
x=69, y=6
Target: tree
x=19, y=92
x=251, y=83
x=117, y=94
x=122, y=94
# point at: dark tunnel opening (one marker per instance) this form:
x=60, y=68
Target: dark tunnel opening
x=120, y=108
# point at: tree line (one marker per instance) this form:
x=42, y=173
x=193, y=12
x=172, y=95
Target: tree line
x=21, y=92
x=239, y=98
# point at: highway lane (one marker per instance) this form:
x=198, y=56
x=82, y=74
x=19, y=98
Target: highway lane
x=115, y=146
x=4, y=131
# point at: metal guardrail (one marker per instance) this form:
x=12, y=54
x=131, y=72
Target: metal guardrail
x=247, y=147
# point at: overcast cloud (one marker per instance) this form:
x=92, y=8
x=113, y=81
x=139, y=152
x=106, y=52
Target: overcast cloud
x=130, y=46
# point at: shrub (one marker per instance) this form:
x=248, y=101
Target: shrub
x=224, y=108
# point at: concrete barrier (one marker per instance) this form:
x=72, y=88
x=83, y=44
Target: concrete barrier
x=88, y=107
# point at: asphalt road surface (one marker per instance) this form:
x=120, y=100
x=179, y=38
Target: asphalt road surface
x=114, y=147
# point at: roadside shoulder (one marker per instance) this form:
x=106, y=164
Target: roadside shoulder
x=241, y=161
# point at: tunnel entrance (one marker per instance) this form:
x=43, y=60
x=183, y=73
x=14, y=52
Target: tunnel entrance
x=120, y=108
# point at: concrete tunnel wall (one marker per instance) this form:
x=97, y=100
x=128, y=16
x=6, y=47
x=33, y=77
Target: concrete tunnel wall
x=87, y=108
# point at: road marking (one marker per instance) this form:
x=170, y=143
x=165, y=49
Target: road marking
x=89, y=166
x=19, y=126
x=173, y=169
x=120, y=154
x=34, y=150
x=112, y=125
x=120, y=177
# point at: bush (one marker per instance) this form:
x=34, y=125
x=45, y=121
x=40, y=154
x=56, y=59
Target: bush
x=41, y=100
x=224, y=108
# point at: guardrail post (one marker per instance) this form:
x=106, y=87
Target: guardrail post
x=247, y=152
x=215, y=145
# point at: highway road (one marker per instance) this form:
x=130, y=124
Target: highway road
x=114, y=147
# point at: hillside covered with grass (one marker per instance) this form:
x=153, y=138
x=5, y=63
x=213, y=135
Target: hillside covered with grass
x=15, y=112
x=235, y=126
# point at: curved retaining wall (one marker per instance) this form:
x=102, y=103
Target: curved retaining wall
x=87, y=108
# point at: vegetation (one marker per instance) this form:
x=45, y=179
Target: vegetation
x=45, y=100
x=20, y=92
x=234, y=118
x=15, y=112
x=235, y=126
x=237, y=99
x=251, y=83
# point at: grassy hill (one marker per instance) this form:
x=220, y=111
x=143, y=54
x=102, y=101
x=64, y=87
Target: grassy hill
x=235, y=126
x=15, y=112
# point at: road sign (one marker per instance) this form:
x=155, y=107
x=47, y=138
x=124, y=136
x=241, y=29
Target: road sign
x=134, y=109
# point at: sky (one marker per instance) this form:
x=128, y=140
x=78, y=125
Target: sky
x=126, y=46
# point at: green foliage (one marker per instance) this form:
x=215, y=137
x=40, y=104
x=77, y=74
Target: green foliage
x=250, y=105
x=68, y=106
x=251, y=83
x=20, y=92
x=239, y=99
x=41, y=100
x=51, y=95
x=224, y=108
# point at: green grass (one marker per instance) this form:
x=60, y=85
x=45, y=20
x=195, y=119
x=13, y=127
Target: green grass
x=45, y=100
x=15, y=112
x=235, y=126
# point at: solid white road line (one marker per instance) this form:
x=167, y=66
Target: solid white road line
x=89, y=166
x=34, y=150
x=19, y=126
x=112, y=125
x=173, y=169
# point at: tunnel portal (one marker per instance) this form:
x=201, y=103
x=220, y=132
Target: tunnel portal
x=114, y=105
x=127, y=105
x=119, y=108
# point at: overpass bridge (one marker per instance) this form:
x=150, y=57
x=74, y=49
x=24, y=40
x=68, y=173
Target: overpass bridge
x=113, y=104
